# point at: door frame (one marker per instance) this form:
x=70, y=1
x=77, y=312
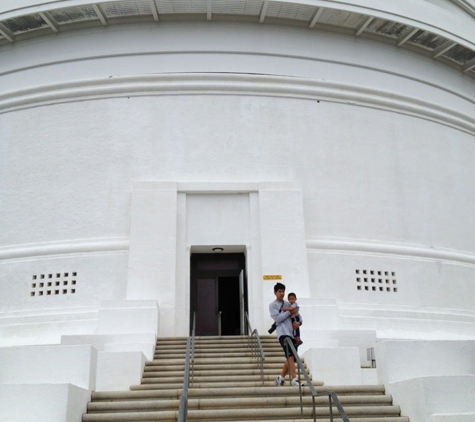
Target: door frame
x=216, y=273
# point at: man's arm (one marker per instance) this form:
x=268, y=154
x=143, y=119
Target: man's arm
x=277, y=316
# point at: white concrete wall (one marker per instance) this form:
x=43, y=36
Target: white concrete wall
x=436, y=398
x=74, y=364
x=118, y=370
x=430, y=380
x=409, y=359
x=40, y=402
x=379, y=171
x=378, y=140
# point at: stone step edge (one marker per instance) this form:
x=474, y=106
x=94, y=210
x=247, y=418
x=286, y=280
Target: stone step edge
x=227, y=402
x=239, y=391
x=252, y=414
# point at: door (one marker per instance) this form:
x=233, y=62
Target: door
x=218, y=293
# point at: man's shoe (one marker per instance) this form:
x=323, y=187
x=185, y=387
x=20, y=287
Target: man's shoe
x=279, y=382
x=296, y=383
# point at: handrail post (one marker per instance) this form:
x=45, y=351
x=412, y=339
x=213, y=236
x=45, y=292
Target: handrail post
x=189, y=360
x=193, y=349
x=287, y=354
x=255, y=344
x=219, y=323
x=332, y=397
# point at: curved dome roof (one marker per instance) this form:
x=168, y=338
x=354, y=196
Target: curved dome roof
x=427, y=29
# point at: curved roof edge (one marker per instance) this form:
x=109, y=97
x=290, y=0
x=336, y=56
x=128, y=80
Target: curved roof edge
x=445, y=33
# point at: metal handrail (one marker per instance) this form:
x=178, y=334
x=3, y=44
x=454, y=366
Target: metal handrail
x=220, y=314
x=256, y=347
x=332, y=397
x=189, y=362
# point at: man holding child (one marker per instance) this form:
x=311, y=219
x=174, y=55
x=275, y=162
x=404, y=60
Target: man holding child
x=282, y=313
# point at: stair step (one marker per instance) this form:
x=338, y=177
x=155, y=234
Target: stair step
x=272, y=391
x=209, y=384
x=246, y=371
x=220, y=360
x=242, y=413
x=261, y=402
x=227, y=387
x=336, y=417
x=209, y=378
x=199, y=356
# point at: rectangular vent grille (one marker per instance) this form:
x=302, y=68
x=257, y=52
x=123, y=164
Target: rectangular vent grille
x=386, y=28
x=376, y=281
x=74, y=14
x=126, y=8
x=290, y=11
x=427, y=40
x=236, y=7
x=25, y=23
x=53, y=284
x=460, y=54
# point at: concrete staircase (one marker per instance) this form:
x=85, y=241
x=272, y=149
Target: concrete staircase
x=227, y=387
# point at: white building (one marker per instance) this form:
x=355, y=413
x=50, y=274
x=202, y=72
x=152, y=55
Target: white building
x=327, y=142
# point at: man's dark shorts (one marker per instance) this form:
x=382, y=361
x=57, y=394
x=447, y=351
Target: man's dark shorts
x=285, y=347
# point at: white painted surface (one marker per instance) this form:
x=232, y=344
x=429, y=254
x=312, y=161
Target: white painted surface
x=212, y=218
x=283, y=238
x=43, y=401
x=152, y=244
x=99, y=275
x=334, y=366
x=129, y=317
x=404, y=360
x=116, y=342
x=342, y=338
x=369, y=376
x=436, y=398
x=455, y=417
x=49, y=364
x=117, y=371
x=118, y=167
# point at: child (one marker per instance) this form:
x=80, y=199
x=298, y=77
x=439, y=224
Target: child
x=292, y=298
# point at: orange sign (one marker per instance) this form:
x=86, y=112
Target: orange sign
x=272, y=277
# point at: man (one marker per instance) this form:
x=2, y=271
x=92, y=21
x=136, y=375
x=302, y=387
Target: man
x=281, y=312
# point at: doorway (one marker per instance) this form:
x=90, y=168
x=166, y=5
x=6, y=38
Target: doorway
x=218, y=293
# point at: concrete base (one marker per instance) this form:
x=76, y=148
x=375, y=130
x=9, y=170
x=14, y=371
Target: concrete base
x=436, y=399
x=404, y=360
x=323, y=311
x=363, y=339
x=43, y=402
x=334, y=366
x=144, y=343
x=369, y=376
x=128, y=316
x=117, y=371
x=49, y=364
x=45, y=327
x=458, y=417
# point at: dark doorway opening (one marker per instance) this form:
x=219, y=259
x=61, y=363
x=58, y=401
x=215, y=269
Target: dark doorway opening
x=215, y=289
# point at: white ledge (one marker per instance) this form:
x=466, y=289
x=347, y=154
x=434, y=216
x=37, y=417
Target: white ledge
x=391, y=249
x=62, y=248
x=235, y=84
